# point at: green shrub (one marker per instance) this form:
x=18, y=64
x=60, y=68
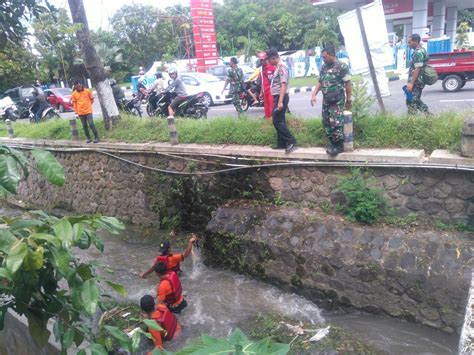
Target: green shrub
x=361, y=100
x=363, y=203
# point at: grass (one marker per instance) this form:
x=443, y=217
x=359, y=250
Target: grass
x=443, y=131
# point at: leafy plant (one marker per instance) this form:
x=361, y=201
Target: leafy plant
x=36, y=257
x=236, y=343
x=363, y=203
x=361, y=100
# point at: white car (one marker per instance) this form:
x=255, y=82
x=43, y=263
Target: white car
x=207, y=83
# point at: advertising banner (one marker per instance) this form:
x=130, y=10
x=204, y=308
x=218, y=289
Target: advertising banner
x=204, y=34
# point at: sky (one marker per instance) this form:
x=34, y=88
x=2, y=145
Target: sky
x=99, y=11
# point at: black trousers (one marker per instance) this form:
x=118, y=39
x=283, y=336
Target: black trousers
x=87, y=120
x=279, y=121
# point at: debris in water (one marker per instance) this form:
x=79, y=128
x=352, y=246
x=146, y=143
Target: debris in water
x=296, y=329
x=321, y=333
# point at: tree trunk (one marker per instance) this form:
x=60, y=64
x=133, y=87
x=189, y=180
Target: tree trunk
x=93, y=64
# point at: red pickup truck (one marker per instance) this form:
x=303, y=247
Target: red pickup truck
x=454, y=68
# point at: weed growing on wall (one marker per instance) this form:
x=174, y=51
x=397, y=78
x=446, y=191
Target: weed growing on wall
x=363, y=203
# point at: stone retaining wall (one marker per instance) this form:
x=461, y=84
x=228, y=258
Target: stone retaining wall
x=419, y=275
x=99, y=183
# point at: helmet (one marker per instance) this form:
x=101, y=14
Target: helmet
x=158, y=75
x=262, y=55
x=172, y=70
x=141, y=72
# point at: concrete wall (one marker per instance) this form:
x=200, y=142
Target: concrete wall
x=97, y=183
x=418, y=274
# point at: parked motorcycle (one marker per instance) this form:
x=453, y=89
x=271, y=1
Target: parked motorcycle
x=8, y=109
x=246, y=100
x=192, y=106
x=132, y=106
x=48, y=113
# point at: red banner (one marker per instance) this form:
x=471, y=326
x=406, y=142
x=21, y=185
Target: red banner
x=204, y=34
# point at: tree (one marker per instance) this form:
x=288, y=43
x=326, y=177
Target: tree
x=462, y=34
x=57, y=45
x=466, y=15
x=14, y=14
x=145, y=34
x=321, y=35
x=93, y=64
x=17, y=66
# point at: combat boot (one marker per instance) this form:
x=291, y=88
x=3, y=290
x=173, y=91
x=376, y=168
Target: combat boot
x=334, y=149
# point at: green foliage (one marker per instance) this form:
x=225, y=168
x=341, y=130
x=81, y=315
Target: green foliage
x=321, y=35
x=17, y=65
x=442, y=131
x=361, y=100
x=236, y=343
x=410, y=220
x=143, y=36
x=466, y=15
x=14, y=16
x=363, y=203
x=462, y=34
x=36, y=257
x=57, y=46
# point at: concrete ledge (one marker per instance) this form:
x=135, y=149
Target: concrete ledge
x=445, y=157
x=314, y=153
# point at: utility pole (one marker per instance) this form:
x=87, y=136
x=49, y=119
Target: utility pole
x=373, y=75
x=93, y=64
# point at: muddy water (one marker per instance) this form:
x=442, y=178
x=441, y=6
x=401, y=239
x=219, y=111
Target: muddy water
x=219, y=300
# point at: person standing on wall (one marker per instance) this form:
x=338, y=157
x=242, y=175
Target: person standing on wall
x=235, y=77
x=279, y=89
x=415, y=84
x=82, y=100
x=334, y=79
x=267, y=74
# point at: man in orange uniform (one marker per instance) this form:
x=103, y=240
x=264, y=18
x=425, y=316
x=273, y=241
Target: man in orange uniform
x=169, y=290
x=164, y=318
x=82, y=100
x=172, y=261
x=267, y=74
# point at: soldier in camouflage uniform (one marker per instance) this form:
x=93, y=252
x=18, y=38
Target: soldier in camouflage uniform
x=235, y=77
x=334, y=79
x=415, y=75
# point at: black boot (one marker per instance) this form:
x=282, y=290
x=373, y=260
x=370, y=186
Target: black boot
x=334, y=149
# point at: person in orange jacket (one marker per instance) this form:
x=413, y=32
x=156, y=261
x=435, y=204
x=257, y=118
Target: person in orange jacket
x=165, y=319
x=82, y=100
x=169, y=290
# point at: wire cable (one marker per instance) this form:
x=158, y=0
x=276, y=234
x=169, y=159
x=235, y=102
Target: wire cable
x=232, y=168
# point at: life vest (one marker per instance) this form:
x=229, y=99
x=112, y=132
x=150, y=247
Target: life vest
x=164, y=259
x=166, y=320
x=176, y=288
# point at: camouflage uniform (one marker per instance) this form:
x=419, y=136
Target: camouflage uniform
x=332, y=78
x=235, y=77
x=418, y=60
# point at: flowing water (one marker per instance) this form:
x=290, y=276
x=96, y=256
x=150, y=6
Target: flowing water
x=219, y=300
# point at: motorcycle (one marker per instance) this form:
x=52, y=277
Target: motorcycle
x=48, y=113
x=132, y=106
x=153, y=108
x=8, y=109
x=192, y=106
x=246, y=100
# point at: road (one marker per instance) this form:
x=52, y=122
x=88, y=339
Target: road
x=434, y=96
